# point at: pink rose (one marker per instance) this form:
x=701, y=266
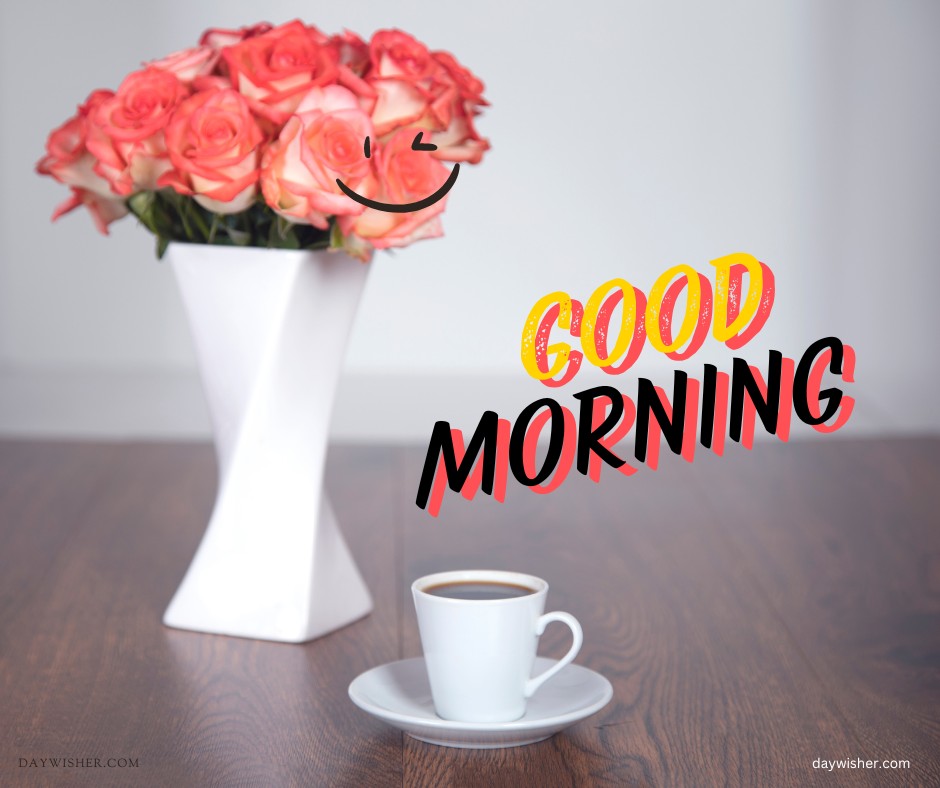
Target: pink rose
x=68, y=161
x=405, y=176
x=274, y=70
x=214, y=146
x=189, y=64
x=322, y=142
x=126, y=130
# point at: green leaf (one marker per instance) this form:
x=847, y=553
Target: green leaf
x=187, y=228
x=198, y=216
x=177, y=217
x=143, y=206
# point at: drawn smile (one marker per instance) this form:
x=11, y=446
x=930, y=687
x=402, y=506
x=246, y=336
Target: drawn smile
x=391, y=207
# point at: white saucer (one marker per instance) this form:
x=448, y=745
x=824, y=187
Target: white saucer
x=399, y=694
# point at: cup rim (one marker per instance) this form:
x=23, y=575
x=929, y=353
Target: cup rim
x=537, y=584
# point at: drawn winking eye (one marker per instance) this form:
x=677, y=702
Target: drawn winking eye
x=417, y=205
x=416, y=144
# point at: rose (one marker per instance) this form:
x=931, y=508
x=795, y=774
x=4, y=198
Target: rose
x=68, y=161
x=405, y=176
x=214, y=146
x=189, y=64
x=322, y=142
x=468, y=85
x=274, y=70
x=67, y=158
x=458, y=94
x=211, y=82
x=402, y=68
x=102, y=209
x=125, y=132
x=429, y=91
x=218, y=38
x=398, y=55
x=353, y=51
x=354, y=61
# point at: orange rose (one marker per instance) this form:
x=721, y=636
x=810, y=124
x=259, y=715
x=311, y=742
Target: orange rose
x=219, y=38
x=274, y=70
x=405, y=176
x=68, y=161
x=322, y=142
x=67, y=158
x=214, y=145
x=402, y=69
x=353, y=51
x=189, y=64
x=126, y=130
x=457, y=96
x=103, y=210
x=426, y=90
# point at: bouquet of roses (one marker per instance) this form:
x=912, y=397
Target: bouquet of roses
x=248, y=139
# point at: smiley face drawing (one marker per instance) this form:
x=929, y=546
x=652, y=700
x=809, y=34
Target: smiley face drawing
x=407, y=207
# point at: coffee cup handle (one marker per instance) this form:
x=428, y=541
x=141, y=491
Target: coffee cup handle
x=577, y=637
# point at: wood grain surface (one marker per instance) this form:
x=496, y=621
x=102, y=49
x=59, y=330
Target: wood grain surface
x=754, y=612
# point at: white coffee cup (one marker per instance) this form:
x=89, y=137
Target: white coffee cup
x=480, y=653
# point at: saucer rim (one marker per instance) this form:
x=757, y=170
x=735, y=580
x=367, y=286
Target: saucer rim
x=521, y=725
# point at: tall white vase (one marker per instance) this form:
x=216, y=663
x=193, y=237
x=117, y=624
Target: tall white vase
x=270, y=329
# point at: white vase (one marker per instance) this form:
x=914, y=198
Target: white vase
x=270, y=329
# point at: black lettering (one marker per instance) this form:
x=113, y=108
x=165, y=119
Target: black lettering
x=709, y=388
x=555, y=442
x=589, y=439
x=647, y=401
x=832, y=396
x=442, y=444
x=743, y=380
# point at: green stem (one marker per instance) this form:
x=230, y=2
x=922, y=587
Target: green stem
x=216, y=218
x=199, y=219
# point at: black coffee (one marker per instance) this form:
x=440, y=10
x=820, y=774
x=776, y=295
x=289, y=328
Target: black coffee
x=478, y=590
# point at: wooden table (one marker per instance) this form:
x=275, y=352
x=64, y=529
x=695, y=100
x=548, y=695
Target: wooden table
x=754, y=613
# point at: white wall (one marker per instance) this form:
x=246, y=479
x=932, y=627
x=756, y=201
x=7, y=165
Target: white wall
x=627, y=137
